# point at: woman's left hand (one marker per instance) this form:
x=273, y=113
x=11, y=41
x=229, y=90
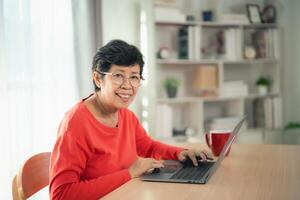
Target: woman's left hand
x=192, y=153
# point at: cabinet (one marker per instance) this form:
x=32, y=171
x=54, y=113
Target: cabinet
x=194, y=51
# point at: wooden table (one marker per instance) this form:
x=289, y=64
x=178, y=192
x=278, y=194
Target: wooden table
x=249, y=172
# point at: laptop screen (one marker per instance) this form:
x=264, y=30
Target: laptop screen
x=226, y=147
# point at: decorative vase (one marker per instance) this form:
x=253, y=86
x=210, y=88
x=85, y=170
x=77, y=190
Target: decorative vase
x=262, y=89
x=171, y=92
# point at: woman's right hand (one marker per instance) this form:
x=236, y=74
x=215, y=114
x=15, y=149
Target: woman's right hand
x=142, y=165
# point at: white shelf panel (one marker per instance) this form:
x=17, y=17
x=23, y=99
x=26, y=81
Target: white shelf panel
x=170, y=23
x=219, y=24
x=256, y=96
x=249, y=62
x=212, y=99
x=215, y=61
x=216, y=99
x=185, y=62
x=216, y=24
x=180, y=100
x=260, y=25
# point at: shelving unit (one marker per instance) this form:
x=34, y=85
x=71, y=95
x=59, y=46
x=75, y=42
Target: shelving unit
x=191, y=110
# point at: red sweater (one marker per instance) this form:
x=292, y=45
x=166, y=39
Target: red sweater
x=90, y=159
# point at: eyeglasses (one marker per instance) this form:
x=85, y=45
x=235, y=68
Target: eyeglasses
x=119, y=78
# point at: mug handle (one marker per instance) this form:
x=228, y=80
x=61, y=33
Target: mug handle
x=207, y=139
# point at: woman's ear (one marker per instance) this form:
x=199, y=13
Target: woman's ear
x=97, y=79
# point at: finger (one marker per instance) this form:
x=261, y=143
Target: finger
x=150, y=170
x=203, y=156
x=183, y=155
x=157, y=163
x=192, y=156
x=208, y=155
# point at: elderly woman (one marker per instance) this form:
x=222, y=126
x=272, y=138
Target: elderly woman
x=101, y=144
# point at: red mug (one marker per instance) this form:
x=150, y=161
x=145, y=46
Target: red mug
x=216, y=140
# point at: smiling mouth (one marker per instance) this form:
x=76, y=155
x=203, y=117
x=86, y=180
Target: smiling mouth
x=124, y=97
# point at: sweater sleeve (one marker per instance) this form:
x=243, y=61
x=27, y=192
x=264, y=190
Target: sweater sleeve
x=146, y=147
x=68, y=161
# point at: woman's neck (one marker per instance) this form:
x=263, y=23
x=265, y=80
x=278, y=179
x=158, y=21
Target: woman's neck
x=103, y=108
x=103, y=113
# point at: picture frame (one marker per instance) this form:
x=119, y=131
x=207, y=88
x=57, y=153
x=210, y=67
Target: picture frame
x=254, y=15
x=268, y=14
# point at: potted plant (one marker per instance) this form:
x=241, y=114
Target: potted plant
x=263, y=84
x=171, y=85
x=292, y=133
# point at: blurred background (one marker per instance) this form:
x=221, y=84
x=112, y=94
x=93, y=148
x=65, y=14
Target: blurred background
x=208, y=62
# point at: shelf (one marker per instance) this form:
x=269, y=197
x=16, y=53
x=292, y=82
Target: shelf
x=260, y=26
x=180, y=100
x=257, y=96
x=190, y=110
x=215, y=61
x=220, y=24
x=216, y=24
x=185, y=62
x=226, y=24
x=169, y=23
x=247, y=62
x=249, y=96
x=213, y=99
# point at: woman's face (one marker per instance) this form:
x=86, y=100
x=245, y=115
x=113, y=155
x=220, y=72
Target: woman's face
x=114, y=92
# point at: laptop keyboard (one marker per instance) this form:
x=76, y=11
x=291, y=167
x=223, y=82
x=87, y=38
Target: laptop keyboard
x=191, y=172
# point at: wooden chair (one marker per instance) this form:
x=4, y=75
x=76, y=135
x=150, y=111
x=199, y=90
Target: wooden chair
x=32, y=177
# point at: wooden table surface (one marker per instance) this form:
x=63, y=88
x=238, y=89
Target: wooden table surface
x=252, y=171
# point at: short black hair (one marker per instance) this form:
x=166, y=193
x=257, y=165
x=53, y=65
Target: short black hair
x=117, y=52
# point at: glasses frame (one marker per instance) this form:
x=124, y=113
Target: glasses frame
x=112, y=74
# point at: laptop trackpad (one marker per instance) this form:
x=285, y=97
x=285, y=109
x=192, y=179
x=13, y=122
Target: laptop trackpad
x=165, y=173
x=171, y=166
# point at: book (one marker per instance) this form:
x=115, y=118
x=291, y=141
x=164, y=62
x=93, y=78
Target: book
x=168, y=14
x=233, y=18
x=233, y=46
x=183, y=43
x=233, y=89
x=164, y=122
x=260, y=44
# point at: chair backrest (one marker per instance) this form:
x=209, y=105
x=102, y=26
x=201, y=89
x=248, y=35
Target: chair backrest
x=32, y=177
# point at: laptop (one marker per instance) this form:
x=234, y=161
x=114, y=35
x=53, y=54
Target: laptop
x=178, y=172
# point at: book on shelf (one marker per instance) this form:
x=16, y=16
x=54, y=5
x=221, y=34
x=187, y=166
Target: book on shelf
x=277, y=112
x=166, y=2
x=164, y=123
x=183, y=42
x=233, y=47
x=197, y=42
x=191, y=43
x=267, y=113
x=228, y=44
x=233, y=18
x=186, y=43
x=168, y=14
x=234, y=89
x=275, y=43
x=265, y=43
x=258, y=113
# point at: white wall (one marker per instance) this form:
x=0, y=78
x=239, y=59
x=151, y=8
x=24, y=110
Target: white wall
x=291, y=63
x=121, y=20
x=85, y=42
